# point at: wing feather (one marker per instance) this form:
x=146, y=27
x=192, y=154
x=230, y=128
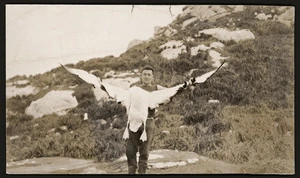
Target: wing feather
x=204, y=77
x=84, y=75
x=119, y=94
x=164, y=95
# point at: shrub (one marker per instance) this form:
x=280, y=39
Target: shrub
x=18, y=103
x=108, y=143
x=265, y=28
x=79, y=144
x=45, y=147
x=202, y=114
x=179, y=139
x=18, y=124
x=72, y=121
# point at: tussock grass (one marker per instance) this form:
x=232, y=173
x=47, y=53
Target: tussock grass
x=258, y=134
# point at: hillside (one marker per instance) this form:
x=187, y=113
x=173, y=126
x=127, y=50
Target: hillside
x=252, y=125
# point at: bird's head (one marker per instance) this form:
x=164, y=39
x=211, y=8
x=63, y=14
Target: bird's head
x=192, y=81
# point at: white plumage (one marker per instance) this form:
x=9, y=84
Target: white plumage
x=137, y=100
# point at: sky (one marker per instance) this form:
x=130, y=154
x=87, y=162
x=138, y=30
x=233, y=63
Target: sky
x=39, y=37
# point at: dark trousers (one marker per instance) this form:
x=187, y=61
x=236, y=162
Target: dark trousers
x=134, y=145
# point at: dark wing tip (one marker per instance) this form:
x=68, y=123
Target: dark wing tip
x=63, y=66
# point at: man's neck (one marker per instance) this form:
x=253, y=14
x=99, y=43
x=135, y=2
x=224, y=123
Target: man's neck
x=148, y=87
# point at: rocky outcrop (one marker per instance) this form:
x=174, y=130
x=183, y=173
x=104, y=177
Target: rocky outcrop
x=134, y=43
x=167, y=31
x=226, y=35
x=172, y=49
x=189, y=22
x=12, y=91
x=206, y=12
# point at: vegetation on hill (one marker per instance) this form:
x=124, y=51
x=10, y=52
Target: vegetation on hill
x=250, y=126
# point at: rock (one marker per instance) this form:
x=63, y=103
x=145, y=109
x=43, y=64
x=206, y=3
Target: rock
x=85, y=116
x=52, y=130
x=226, y=35
x=51, y=165
x=172, y=49
x=170, y=31
x=217, y=45
x=183, y=126
x=188, y=22
x=134, y=43
x=103, y=122
x=189, y=39
x=238, y=8
x=213, y=101
x=14, y=137
x=64, y=128
x=12, y=91
x=57, y=135
x=205, y=12
x=156, y=30
x=216, y=57
x=263, y=16
x=53, y=102
x=282, y=9
x=195, y=50
x=288, y=17
x=166, y=132
x=109, y=74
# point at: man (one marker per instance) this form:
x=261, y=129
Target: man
x=134, y=144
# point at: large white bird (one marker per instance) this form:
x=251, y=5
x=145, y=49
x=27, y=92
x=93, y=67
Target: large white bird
x=137, y=100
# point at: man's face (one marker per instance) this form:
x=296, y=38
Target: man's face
x=147, y=77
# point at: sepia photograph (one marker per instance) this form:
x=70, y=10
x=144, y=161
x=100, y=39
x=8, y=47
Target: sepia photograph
x=150, y=89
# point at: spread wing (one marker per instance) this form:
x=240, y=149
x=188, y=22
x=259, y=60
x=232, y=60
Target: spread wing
x=162, y=96
x=204, y=77
x=84, y=75
x=119, y=94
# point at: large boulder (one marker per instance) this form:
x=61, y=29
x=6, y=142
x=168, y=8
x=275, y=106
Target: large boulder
x=53, y=102
x=226, y=35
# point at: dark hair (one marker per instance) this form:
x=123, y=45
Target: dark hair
x=148, y=68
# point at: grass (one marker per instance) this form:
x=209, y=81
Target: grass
x=256, y=131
